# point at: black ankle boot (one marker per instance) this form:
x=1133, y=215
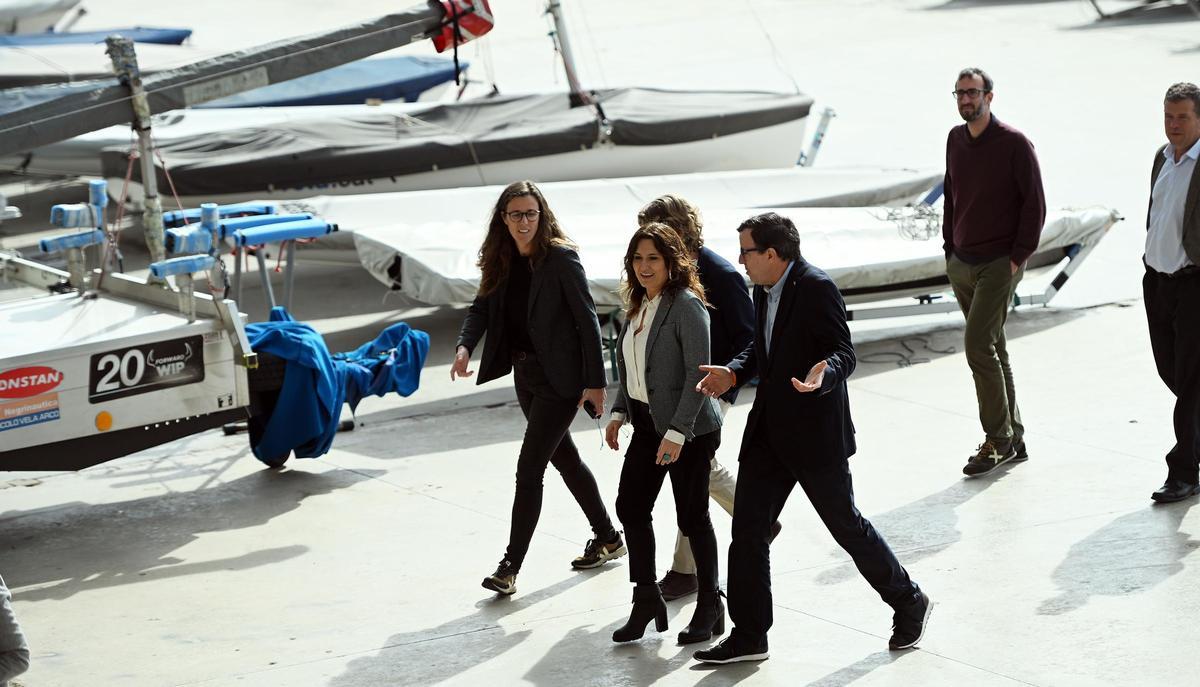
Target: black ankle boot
x=708, y=619
x=647, y=604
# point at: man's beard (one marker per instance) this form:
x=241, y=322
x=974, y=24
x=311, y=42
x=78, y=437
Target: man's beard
x=972, y=115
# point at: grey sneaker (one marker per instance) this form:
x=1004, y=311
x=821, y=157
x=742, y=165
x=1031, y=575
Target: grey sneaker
x=988, y=457
x=504, y=580
x=596, y=553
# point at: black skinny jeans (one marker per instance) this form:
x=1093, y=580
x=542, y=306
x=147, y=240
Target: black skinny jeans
x=547, y=440
x=641, y=480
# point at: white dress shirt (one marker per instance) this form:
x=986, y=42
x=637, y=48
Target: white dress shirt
x=633, y=349
x=774, y=294
x=1164, y=240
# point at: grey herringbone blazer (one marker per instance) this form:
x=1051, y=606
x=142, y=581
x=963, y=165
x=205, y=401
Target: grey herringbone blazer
x=678, y=344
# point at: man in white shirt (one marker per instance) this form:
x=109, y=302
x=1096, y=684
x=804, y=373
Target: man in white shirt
x=1171, y=286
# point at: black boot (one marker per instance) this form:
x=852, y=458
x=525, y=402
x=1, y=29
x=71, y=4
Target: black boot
x=707, y=620
x=647, y=603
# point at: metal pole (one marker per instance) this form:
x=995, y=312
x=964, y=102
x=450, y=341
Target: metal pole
x=808, y=157
x=554, y=9
x=265, y=275
x=290, y=276
x=120, y=51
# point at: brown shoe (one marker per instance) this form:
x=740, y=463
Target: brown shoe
x=676, y=585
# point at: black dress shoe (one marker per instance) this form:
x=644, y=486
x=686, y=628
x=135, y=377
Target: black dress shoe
x=1175, y=490
x=732, y=650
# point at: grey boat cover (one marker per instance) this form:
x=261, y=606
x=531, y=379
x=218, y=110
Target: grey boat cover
x=46, y=122
x=453, y=135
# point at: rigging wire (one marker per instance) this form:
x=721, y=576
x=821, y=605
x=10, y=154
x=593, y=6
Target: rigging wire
x=774, y=48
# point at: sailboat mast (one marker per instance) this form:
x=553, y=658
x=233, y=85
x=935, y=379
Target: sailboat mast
x=561, y=39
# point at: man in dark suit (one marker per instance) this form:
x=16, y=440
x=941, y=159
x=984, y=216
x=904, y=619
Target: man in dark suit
x=798, y=432
x=1171, y=286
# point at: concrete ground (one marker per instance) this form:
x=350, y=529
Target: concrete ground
x=190, y=564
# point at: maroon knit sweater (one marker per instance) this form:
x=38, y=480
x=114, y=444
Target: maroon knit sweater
x=995, y=205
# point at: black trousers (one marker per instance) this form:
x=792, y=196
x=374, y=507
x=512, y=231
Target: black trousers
x=547, y=440
x=763, y=485
x=641, y=480
x=1173, y=313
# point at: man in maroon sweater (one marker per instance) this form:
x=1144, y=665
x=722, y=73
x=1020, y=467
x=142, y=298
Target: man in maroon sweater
x=994, y=211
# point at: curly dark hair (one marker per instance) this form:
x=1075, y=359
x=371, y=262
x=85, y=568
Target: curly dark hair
x=676, y=212
x=682, y=272
x=496, y=253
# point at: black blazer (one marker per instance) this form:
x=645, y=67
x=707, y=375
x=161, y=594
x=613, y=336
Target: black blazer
x=562, y=327
x=1191, y=208
x=810, y=326
x=730, y=312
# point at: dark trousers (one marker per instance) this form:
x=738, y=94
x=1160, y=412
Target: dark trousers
x=1173, y=312
x=763, y=485
x=547, y=440
x=641, y=480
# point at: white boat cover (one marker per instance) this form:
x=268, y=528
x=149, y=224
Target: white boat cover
x=81, y=155
x=464, y=134
x=861, y=249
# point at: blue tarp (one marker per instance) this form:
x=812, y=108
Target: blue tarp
x=385, y=78
x=317, y=383
x=138, y=34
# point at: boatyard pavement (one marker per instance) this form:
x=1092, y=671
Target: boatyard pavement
x=191, y=564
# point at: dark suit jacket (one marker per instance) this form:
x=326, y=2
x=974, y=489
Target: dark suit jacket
x=730, y=312
x=1191, y=208
x=810, y=326
x=562, y=327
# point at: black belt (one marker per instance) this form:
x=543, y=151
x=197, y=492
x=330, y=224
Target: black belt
x=1188, y=271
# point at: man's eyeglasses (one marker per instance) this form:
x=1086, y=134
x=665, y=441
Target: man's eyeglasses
x=742, y=252
x=528, y=215
x=971, y=93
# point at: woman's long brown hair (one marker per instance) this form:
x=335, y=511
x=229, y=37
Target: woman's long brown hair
x=682, y=272
x=498, y=249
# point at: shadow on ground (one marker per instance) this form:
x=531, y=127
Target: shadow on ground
x=63, y=550
x=1129, y=555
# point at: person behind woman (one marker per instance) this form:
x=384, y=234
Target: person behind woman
x=534, y=305
x=14, y=652
x=676, y=430
x=731, y=329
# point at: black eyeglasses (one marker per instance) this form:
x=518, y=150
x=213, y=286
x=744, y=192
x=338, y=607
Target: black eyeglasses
x=971, y=93
x=742, y=252
x=528, y=215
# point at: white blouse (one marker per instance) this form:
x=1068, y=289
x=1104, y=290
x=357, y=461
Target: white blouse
x=633, y=349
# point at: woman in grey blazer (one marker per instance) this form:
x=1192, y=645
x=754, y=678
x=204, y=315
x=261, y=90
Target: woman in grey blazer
x=676, y=430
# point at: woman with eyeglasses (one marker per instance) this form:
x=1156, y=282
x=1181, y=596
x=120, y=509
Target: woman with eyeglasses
x=676, y=429
x=534, y=305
